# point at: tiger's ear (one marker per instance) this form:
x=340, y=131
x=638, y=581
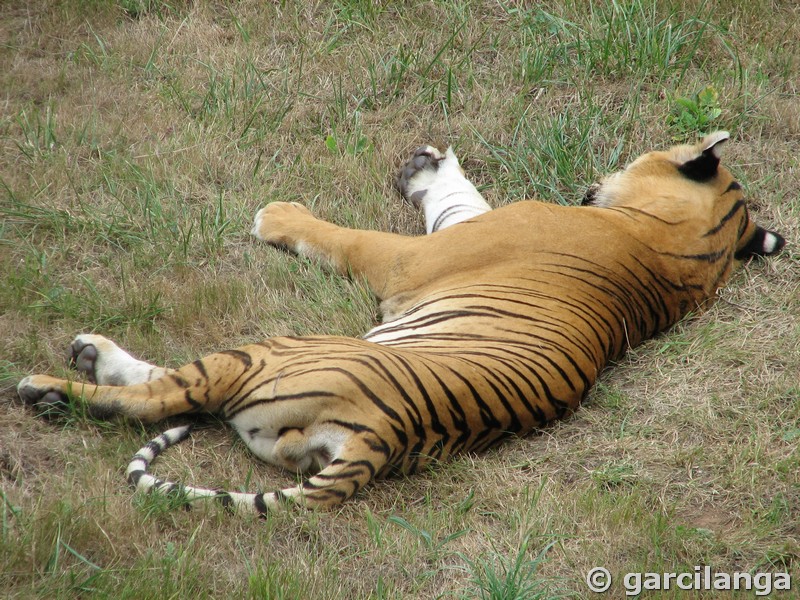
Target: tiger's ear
x=704, y=165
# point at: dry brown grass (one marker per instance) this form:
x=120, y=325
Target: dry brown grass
x=120, y=138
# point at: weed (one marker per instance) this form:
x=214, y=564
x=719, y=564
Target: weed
x=38, y=131
x=693, y=116
x=614, y=475
x=435, y=545
x=137, y=9
x=514, y=576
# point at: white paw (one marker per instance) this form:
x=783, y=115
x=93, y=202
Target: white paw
x=420, y=173
x=105, y=363
x=436, y=182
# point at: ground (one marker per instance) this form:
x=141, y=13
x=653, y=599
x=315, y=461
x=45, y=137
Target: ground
x=137, y=140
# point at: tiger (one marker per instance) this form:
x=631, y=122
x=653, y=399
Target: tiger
x=494, y=323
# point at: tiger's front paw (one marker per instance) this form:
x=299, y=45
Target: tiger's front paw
x=40, y=392
x=281, y=224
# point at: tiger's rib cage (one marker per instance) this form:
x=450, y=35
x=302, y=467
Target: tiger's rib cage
x=467, y=365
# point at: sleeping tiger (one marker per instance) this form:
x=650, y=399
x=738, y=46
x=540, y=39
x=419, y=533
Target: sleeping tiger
x=496, y=323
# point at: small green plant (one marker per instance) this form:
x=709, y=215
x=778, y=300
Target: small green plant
x=38, y=129
x=350, y=144
x=516, y=577
x=136, y=9
x=693, y=116
x=434, y=544
x=614, y=475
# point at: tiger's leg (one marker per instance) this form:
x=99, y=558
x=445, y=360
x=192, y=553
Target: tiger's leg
x=283, y=397
x=105, y=363
x=391, y=263
x=385, y=260
x=199, y=386
x=436, y=183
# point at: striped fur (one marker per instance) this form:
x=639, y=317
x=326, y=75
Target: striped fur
x=492, y=326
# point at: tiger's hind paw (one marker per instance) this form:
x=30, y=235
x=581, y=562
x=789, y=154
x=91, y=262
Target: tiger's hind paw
x=418, y=173
x=105, y=363
x=434, y=181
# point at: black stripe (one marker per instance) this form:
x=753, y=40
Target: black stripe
x=628, y=209
x=733, y=186
x=325, y=492
x=135, y=476
x=229, y=414
x=141, y=457
x=381, y=448
x=224, y=498
x=198, y=364
x=513, y=420
x=448, y=212
x=154, y=447
x=378, y=366
x=283, y=430
x=425, y=320
x=242, y=357
x=525, y=362
x=195, y=405
x=457, y=415
x=233, y=397
x=731, y=213
x=179, y=381
x=260, y=505
x=705, y=257
x=557, y=329
x=365, y=389
x=534, y=367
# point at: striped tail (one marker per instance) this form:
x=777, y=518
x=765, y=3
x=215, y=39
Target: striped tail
x=143, y=481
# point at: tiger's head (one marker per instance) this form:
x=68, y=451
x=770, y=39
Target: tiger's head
x=686, y=186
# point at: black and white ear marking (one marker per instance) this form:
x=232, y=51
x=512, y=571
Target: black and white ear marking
x=763, y=243
x=704, y=166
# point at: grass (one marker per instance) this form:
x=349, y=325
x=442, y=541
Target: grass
x=137, y=141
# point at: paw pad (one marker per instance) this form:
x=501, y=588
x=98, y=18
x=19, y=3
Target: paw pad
x=425, y=158
x=41, y=398
x=83, y=358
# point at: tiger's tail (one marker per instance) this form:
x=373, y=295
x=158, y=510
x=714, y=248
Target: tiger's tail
x=328, y=488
